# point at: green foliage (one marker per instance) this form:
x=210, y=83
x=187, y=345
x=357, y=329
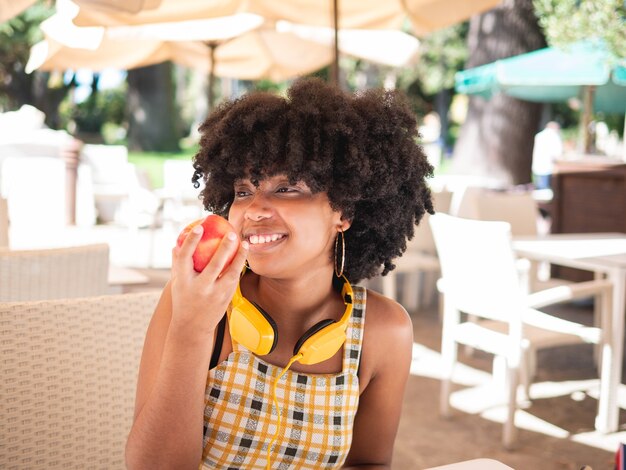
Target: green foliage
x=565, y=115
x=104, y=106
x=16, y=38
x=442, y=54
x=269, y=85
x=152, y=163
x=567, y=21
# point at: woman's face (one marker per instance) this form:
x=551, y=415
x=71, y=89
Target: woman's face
x=288, y=227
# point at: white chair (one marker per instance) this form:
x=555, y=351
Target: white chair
x=69, y=371
x=419, y=262
x=481, y=277
x=180, y=203
x=517, y=208
x=521, y=211
x=119, y=194
x=54, y=273
x=34, y=188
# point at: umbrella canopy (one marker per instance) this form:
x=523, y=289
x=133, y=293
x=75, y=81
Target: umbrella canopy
x=553, y=75
x=425, y=15
x=136, y=12
x=11, y=8
x=253, y=54
x=238, y=46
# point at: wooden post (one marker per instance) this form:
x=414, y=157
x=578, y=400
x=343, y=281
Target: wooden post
x=585, y=119
x=211, y=92
x=70, y=153
x=335, y=64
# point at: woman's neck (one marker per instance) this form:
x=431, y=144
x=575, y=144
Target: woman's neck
x=297, y=303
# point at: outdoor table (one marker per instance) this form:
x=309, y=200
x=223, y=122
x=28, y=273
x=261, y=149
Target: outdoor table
x=603, y=253
x=476, y=464
x=120, y=278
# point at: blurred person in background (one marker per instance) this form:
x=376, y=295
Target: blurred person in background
x=548, y=147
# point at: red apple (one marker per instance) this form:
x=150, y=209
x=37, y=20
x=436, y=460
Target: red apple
x=215, y=227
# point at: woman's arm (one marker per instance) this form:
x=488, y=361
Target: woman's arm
x=385, y=364
x=169, y=406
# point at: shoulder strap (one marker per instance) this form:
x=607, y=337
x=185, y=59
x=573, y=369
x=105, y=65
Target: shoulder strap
x=219, y=341
x=354, y=332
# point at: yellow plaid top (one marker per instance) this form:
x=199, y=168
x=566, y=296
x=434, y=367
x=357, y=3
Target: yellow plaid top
x=318, y=410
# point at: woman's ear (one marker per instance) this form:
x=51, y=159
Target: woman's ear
x=345, y=224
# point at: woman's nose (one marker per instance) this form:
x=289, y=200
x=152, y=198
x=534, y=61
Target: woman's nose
x=258, y=209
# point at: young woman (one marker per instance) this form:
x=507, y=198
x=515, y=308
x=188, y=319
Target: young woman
x=323, y=190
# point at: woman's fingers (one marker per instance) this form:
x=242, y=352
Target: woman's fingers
x=182, y=255
x=225, y=251
x=236, y=266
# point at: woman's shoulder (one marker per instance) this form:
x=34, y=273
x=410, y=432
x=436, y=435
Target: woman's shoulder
x=386, y=314
x=387, y=337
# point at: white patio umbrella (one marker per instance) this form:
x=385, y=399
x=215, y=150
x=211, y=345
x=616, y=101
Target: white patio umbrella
x=248, y=53
x=425, y=15
x=238, y=46
x=245, y=47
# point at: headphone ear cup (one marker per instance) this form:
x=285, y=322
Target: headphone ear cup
x=252, y=327
x=320, y=342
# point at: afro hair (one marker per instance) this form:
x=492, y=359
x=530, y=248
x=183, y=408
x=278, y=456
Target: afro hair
x=360, y=149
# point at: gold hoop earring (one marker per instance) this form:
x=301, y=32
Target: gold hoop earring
x=339, y=272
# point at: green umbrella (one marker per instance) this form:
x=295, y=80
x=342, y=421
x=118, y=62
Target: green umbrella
x=586, y=70
x=553, y=75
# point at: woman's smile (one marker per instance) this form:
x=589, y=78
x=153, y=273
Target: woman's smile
x=263, y=241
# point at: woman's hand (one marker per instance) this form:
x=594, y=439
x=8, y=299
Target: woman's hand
x=199, y=300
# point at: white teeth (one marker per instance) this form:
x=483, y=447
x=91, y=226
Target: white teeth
x=259, y=239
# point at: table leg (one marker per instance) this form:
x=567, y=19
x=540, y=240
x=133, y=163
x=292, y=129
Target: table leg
x=611, y=373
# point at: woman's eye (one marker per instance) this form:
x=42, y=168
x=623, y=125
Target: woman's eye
x=241, y=193
x=286, y=189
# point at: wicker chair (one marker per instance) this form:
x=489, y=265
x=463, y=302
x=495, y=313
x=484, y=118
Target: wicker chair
x=54, y=273
x=69, y=370
x=4, y=223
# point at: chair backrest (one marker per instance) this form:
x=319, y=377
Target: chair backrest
x=177, y=179
x=108, y=162
x=53, y=273
x=34, y=188
x=518, y=209
x=478, y=265
x=423, y=240
x=69, y=371
x=463, y=202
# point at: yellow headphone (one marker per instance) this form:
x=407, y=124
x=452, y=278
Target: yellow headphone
x=253, y=328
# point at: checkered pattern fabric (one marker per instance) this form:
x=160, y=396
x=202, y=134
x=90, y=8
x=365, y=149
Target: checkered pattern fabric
x=318, y=410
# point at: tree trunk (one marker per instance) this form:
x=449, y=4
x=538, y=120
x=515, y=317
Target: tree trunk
x=496, y=139
x=153, y=116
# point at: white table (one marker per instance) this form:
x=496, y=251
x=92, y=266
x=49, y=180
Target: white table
x=476, y=464
x=600, y=253
x=120, y=278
